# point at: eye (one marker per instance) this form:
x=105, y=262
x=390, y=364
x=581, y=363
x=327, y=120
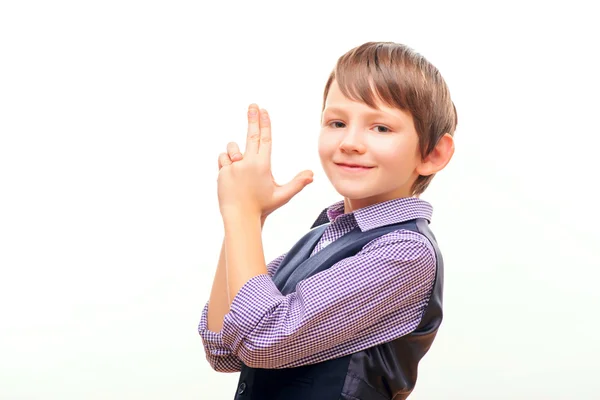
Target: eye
x=385, y=129
x=337, y=124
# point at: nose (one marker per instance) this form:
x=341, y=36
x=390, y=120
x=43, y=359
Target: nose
x=352, y=142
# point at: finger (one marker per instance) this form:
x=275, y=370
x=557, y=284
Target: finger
x=265, y=135
x=292, y=188
x=224, y=160
x=253, y=137
x=234, y=151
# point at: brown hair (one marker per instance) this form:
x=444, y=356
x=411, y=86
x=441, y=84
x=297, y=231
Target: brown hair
x=401, y=78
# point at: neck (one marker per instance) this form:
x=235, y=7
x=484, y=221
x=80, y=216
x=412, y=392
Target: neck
x=351, y=205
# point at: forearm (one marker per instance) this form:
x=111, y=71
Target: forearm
x=243, y=249
x=218, y=304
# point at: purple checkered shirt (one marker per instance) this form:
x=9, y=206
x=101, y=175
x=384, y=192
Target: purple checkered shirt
x=374, y=297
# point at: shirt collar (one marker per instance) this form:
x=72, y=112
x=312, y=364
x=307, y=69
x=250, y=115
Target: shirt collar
x=381, y=214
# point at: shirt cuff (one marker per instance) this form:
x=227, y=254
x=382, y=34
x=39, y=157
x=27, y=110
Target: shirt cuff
x=255, y=299
x=213, y=341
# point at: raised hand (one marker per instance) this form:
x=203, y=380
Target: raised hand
x=246, y=184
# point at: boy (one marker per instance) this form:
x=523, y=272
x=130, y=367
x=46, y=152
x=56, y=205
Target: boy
x=350, y=310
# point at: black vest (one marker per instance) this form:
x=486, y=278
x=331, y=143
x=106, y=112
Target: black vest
x=386, y=371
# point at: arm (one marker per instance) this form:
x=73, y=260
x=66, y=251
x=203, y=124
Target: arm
x=243, y=249
x=218, y=355
x=220, y=301
x=390, y=280
x=247, y=191
x=247, y=194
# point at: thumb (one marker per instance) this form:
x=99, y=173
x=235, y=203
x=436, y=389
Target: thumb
x=293, y=187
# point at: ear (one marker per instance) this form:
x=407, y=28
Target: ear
x=438, y=158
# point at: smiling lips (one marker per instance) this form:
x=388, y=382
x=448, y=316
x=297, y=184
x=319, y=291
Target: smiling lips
x=353, y=167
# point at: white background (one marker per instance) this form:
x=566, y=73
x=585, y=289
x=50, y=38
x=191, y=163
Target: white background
x=112, y=115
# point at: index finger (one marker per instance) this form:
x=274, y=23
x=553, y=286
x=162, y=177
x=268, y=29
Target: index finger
x=265, y=134
x=253, y=137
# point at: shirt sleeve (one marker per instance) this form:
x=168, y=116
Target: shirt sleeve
x=374, y=297
x=274, y=265
x=218, y=355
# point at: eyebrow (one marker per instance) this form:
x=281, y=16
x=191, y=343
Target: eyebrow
x=370, y=113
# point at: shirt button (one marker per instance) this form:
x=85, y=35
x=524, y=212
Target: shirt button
x=242, y=388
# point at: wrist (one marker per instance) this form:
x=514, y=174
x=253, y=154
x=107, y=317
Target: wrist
x=239, y=214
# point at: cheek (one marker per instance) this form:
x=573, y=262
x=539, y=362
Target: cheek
x=395, y=156
x=325, y=145
x=384, y=152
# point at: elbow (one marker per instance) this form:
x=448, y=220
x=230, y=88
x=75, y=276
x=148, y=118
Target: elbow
x=225, y=368
x=219, y=364
x=264, y=358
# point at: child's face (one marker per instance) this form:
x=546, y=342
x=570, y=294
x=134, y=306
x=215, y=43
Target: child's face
x=384, y=142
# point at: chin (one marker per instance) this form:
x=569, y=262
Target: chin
x=351, y=191
x=369, y=192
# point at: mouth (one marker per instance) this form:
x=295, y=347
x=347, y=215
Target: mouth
x=353, y=167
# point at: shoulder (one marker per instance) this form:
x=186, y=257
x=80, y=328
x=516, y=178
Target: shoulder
x=402, y=244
